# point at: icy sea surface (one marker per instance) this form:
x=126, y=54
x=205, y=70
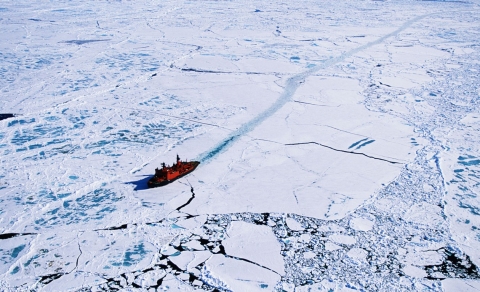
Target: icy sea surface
x=338, y=140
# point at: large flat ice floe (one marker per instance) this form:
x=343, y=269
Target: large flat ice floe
x=338, y=144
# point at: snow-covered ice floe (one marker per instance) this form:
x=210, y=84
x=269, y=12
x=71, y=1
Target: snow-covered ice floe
x=338, y=144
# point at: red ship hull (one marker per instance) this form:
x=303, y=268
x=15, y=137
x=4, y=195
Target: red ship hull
x=166, y=175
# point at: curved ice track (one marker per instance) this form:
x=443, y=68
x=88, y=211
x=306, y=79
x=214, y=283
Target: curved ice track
x=291, y=86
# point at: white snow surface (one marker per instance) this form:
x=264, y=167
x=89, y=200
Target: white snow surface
x=338, y=141
x=254, y=243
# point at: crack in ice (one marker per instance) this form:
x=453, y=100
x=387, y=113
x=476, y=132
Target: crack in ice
x=78, y=258
x=189, y=200
x=11, y=235
x=345, y=151
x=226, y=72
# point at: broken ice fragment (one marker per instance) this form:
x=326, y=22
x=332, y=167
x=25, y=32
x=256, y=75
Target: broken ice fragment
x=293, y=224
x=238, y=275
x=357, y=254
x=330, y=246
x=256, y=243
x=309, y=254
x=361, y=224
x=343, y=239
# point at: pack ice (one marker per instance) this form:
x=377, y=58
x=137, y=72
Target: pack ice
x=338, y=144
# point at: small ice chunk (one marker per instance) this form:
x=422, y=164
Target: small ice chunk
x=357, y=254
x=194, y=244
x=200, y=257
x=305, y=237
x=130, y=278
x=175, y=284
x=288, y=287
x=361, y=224
x=149, y=278
x=345, y=239
x=169, y=250
x=309, y=254
x=424, y=213
x=413, y=271
x=183, y=259
x=424, y=258
x=184, y=276
x=294, y=224
x=330, y=246
x=271, y=223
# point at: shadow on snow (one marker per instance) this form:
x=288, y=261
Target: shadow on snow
x=140, y=184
